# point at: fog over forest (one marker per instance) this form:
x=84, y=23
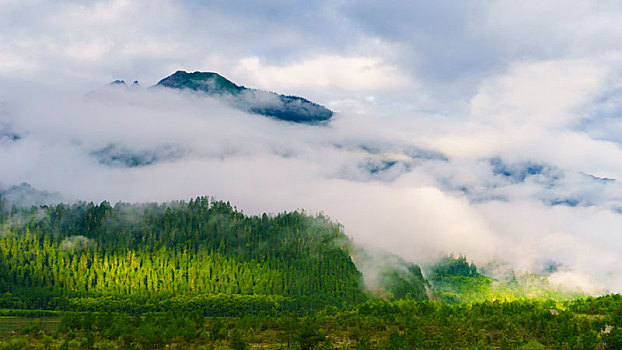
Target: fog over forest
x=489, y=129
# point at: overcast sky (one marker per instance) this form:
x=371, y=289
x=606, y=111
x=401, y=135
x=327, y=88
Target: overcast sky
x=490, y=128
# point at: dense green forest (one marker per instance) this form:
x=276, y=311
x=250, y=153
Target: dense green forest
x=156, y=257
x=201, y=274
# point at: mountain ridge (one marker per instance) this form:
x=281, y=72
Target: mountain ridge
x=267, y=103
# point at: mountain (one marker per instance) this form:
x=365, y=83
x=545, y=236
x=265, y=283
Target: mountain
x=122, y=83
x=116, y=86
x=456, y=281
x=289, y=108
x=116, y=155
x=25, y=196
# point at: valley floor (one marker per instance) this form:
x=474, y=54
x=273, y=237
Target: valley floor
x=592, y=323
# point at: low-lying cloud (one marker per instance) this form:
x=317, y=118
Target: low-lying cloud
x=477, y=128
x=492, y=184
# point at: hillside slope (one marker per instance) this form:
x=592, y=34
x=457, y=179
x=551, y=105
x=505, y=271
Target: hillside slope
x=156, y=257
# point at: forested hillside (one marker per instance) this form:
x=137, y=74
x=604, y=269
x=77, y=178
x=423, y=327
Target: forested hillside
x=152, y=257
x=454, y=280
x=201, y=274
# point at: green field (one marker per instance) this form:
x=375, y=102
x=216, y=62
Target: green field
x=10, y=325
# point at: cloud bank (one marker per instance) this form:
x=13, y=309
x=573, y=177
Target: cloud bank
x=460, y=129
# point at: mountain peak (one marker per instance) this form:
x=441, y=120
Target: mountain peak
x=122, y=83
x=209, y=82
x=117, y=82
x=282, y=107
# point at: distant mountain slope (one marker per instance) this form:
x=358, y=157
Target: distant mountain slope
x=456, y=281
x=116, y=155
x=24, y=196
x=288, y=108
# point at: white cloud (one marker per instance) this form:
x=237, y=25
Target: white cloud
x=350, y=73
x=439, y=96
x=537, y=95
